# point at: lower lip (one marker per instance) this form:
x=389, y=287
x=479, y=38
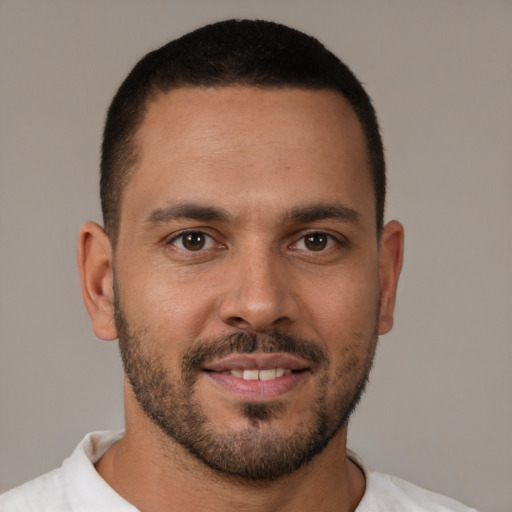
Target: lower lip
x=258, y=390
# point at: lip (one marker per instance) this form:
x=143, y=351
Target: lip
x=257, y=390
x=258, y=360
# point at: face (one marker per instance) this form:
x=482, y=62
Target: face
x=247, y=274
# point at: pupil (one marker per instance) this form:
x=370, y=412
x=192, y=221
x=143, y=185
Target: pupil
x=193, y=241
x=316, y=242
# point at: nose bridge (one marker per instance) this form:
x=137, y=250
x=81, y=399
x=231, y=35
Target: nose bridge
x=259, y=294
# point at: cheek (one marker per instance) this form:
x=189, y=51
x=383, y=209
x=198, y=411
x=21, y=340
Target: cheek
x=168, y=311
x=345, y=306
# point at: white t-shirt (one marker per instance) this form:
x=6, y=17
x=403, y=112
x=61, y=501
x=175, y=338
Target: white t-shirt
x=77, y=487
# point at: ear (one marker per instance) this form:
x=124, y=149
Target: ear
x=390, y=264
x=96, y=275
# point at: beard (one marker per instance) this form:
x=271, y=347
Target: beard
x=257, y=452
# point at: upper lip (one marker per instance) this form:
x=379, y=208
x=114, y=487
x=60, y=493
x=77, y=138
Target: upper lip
x=257, y=360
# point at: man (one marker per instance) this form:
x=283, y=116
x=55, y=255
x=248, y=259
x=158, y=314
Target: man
x=246, y=269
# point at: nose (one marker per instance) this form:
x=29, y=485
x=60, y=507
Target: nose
x=259, y=294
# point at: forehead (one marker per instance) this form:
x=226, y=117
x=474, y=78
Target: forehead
x=249, y=144
x=206, y=116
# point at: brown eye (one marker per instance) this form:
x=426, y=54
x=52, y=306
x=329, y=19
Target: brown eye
x=193, y=241
x=316, y=241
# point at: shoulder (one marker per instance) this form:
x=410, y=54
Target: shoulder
x=45, y=493
x=386, y=492
x=393, y=493
x=74, y=485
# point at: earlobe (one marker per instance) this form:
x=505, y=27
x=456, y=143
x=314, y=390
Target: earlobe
x=390, y=265
x=96, y=276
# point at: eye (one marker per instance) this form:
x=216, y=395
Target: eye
x=316, y=242
x=193, y=241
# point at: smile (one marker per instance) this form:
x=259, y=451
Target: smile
x=258, y=376
x=255, y=374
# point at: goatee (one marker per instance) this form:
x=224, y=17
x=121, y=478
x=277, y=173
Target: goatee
x=258, y=452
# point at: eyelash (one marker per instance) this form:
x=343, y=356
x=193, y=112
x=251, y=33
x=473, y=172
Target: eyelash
x=331, y=242
x=181, y=236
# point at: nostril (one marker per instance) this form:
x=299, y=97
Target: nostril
x=241, y=323
x=238, y=321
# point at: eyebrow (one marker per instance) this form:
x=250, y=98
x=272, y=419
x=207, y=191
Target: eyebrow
x=303, y=214
x=186, y=211
x=317, y=212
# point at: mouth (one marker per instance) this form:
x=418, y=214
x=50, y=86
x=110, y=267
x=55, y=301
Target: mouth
x=255, y=374
x=258, y=376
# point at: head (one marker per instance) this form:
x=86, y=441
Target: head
x=235, y=52
x=245, y=267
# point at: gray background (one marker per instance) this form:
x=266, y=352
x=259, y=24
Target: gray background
x=439, y=408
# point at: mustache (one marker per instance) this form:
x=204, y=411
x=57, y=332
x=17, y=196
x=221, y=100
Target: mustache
x=206, y=351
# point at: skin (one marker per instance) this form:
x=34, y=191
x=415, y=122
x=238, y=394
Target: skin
x=259, y=155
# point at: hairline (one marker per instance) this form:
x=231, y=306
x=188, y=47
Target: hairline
x=134, y=150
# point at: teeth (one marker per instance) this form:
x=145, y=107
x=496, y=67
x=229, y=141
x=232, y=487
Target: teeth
x=268, y=374
x=250, y=375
